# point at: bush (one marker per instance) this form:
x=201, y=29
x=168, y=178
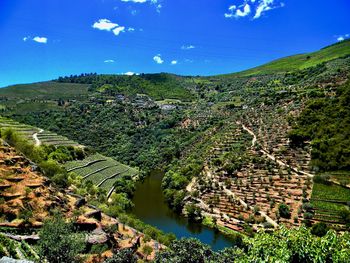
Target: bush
x=186, y=250
x=193, y=212
x=319, y=229
x=344, y=213
x=122, y=256
x=284, y=210
x=322, y=179
x=59, y=243
x=50, y=168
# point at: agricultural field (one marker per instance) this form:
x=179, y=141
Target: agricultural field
x=16, y=249
x=243, y=187
x=26, y=131
x=36, y=135
x=45, y=91
x=328, y=200
x=100, y=170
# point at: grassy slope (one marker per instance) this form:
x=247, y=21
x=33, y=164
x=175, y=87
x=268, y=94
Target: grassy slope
x=167, y=86
x=45, y=90
x=301, y=61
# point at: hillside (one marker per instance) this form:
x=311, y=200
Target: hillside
x=45, y=90
x=29, y=201
x=260, y=149
x=299, y=62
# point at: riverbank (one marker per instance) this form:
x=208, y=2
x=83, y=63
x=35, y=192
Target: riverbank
x=151, y=208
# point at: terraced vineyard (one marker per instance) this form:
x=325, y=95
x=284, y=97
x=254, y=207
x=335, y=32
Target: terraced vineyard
x=15, y=249
x=26, y=131
x=100, y=170
x=250, y=195
x=51, y=138
x=37, y=135
x=327, y=202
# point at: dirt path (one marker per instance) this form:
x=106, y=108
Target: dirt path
x=189, y=187
x=36, y=139
x=272, y=157
x=230, y=193
x=251, y=133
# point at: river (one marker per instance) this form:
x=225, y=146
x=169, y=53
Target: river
x=151, y=208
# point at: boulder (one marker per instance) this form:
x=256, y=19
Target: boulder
x=97, y=214
x=80, y=202
x=11, y=260
x=98, y=236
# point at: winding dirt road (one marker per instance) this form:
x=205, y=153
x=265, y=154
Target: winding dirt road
x=36, y=139
x=272, y=157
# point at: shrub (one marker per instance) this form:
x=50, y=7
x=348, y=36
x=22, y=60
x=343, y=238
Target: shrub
x=284, y=210
x=322, y=179
x=59, y=243
x=319, y=229
x=122, y=256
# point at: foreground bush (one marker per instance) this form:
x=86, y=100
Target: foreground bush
x=284, y=246
x=59, y=243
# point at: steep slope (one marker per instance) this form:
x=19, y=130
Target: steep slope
x=298, y=62
x=28, y=199
x=45, y=90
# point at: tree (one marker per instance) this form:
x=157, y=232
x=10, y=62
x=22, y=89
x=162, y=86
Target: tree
x=284, y=210
x=59, y=243
x=122, y=256
x=186, y=250
x=193, y=212
x=147, y=250
x=319, y=229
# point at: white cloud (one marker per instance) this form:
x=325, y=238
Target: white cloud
x=264, y=5
x=118, y=29
x=245, y=12
x=135, y=1
x=107, y=25
x=104, y=24
x=242, y=11
x=42, y=40
x=343, y=37
x=254, y=7
x=131, y=29
x=25, y=39
x=129, y=73
x=155, y=3
x=109, y=61
x=174, y=62
x=158, y=59
x=159, y=7
x=187, y=47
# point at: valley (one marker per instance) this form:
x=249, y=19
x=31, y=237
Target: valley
x=222, y=158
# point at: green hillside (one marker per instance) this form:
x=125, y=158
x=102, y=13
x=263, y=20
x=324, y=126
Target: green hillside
x=45, y=90
x=300, y=61
x=158, y=86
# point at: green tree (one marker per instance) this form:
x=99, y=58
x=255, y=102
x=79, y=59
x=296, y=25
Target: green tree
x=188, y=250
x=147, y=250
x=319, y=229
x=59, y=243
x=284, y=210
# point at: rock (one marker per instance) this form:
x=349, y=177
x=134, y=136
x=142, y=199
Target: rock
x=30, y=238
x=85, y=224
x=80, y=202
x=11, y=260
x=95, y=214
x=98, y=236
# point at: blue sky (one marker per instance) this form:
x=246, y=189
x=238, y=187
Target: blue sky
x=44, y=39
